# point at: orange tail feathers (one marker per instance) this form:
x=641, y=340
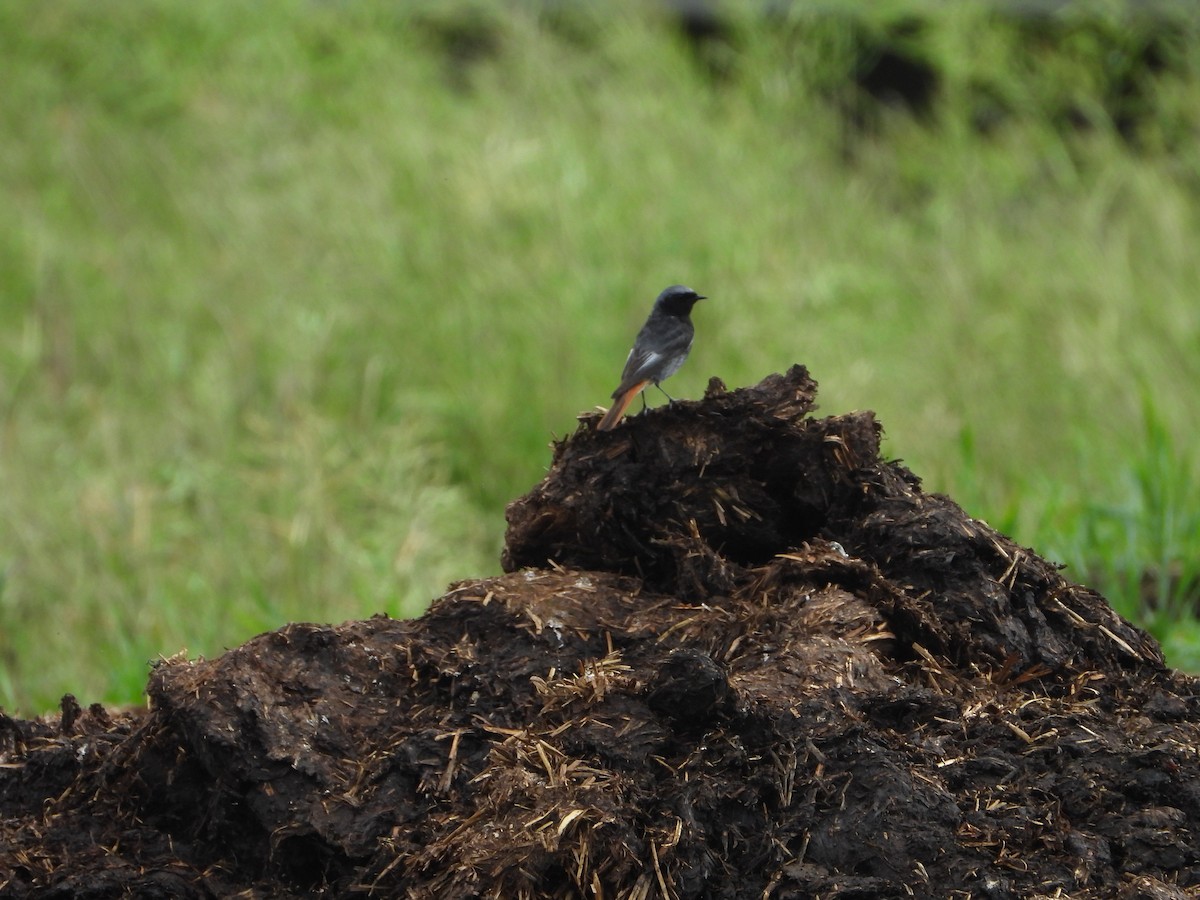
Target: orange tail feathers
x=613, y=416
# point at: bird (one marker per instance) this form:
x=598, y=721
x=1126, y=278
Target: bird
x=658, y=351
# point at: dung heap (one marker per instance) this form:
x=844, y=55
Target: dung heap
x=736, y=655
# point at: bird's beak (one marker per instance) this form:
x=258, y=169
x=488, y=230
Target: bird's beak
x=701, y=297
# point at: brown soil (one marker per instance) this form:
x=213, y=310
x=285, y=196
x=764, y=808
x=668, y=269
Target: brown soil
x=737, y=655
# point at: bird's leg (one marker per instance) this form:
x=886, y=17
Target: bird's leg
x=642, y=394
x=670, y=399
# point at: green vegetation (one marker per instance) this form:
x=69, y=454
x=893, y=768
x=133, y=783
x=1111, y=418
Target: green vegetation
x=293, y=296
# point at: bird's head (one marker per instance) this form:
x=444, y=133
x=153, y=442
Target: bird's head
x=677, y=300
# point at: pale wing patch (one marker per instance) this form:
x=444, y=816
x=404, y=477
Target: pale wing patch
x=638, y=363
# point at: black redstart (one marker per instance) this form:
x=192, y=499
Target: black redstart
x=660, y=349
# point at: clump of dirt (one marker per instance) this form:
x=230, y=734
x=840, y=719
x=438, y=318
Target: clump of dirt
x=735, y=655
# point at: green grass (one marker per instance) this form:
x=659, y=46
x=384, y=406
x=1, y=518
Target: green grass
x=291, y=303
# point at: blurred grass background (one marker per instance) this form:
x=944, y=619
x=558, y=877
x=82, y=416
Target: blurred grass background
x=293, y=296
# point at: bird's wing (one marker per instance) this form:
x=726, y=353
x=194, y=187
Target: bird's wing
x=644, y=364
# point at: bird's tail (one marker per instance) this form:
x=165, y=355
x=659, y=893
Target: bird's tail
x=620, y=404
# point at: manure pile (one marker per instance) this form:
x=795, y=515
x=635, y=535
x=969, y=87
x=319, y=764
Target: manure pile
x=736, y=655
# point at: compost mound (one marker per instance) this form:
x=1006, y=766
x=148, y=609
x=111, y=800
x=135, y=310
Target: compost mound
x=736, y=654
